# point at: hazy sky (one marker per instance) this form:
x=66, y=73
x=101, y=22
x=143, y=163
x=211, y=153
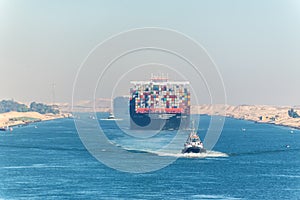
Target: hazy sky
x=255, y=43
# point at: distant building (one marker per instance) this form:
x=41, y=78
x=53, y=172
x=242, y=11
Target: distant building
x=293, y=113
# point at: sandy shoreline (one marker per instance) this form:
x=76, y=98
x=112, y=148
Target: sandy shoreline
x=19, y=118
x=277, y=115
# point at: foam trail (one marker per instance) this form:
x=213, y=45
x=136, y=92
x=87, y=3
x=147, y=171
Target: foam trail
x=177, y=153
x=208, y=154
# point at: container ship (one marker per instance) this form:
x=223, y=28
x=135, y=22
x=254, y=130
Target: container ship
x=159, y=104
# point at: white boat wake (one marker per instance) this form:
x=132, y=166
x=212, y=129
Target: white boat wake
x=115, y=119
x=207, y=154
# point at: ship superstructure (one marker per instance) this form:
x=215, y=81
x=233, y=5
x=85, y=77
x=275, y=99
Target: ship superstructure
x=193, y=143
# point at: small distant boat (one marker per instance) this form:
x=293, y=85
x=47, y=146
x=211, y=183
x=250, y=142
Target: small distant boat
x=3, y=129
x=112, y=117
x=193, y=143
x=6, y=128
x=92, y=117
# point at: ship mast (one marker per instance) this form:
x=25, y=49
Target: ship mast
x=193, y=126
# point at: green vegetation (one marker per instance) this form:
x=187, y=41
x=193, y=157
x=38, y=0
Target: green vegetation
x=43, y=108
x=10, y=105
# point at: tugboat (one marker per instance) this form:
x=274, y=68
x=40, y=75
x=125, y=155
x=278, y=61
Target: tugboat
x=111, y=116
x=193, y=143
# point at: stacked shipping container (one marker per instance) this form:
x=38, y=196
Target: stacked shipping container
x=161, y=96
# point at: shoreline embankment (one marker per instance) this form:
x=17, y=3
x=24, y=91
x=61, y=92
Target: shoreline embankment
x=277, y=115
x=11, y=119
